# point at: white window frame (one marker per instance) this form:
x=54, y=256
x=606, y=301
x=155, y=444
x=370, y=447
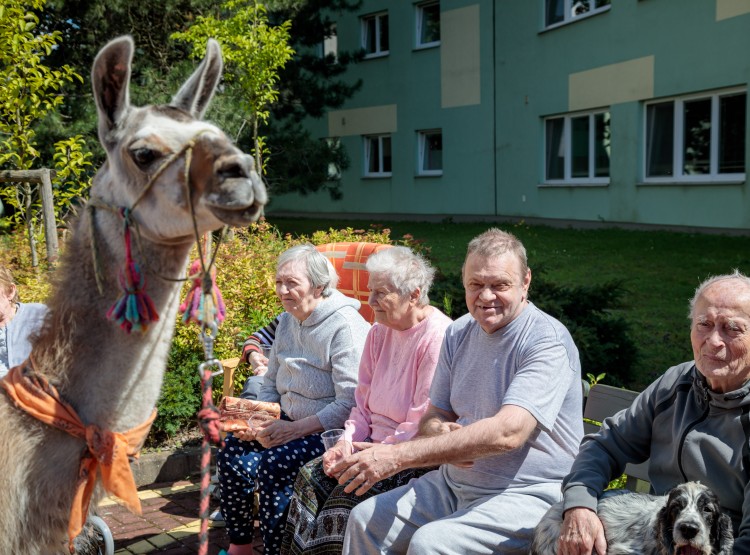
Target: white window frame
x=678, y=140
x=567, y=145
x=420, y=18
x=422, y=152
x=569, y=11
x=378, y=18
x=330, y=45
x=367, y=139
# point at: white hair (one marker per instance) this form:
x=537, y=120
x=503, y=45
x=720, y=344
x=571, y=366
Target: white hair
x=320, y=271
x=701, y=289
x=405, y=270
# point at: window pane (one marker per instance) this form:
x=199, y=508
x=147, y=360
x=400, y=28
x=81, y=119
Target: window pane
x=601, y=145
x=384, y=34
x=432, y=157
x=373, y=155
x=659, y=139
x=580, y=7
x=697, y=144
x=554, y=11
x=579, y=129
x=386, y=154
x=732, y=124
x=430, y=27
x=555, y=149
x=368, y=40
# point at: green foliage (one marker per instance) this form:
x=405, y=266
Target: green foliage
x=593, y=380
x=591, y=314
x=254, y=52
x=73, y=179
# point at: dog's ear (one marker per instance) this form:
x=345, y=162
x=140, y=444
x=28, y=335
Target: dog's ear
x=723, y=537
x=663, y=531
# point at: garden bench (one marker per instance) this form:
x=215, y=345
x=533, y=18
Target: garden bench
x=603, y=401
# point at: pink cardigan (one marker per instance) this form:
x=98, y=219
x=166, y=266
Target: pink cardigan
x=395, y=374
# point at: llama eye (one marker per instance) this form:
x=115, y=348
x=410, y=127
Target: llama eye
x=144, y=156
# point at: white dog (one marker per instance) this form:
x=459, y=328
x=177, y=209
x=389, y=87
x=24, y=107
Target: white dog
x=686, y=521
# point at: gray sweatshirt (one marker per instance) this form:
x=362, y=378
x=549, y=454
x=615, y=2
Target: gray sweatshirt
x=313, y=364
x=688, y=431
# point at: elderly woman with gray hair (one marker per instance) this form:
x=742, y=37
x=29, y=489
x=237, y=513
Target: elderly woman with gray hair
x=312, y=374
x=395, y=374
x=17, y=322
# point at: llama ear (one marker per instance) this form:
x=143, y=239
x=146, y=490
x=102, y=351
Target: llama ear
x=110, y=79
x=723, y=535
x=195, y=95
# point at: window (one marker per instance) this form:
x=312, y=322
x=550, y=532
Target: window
x=375, y=35
x=696, y=138
x=330, y=45
x=577, y=148
x=557, y=12
x=428, y=24
x=430, y=152
x=377, y=155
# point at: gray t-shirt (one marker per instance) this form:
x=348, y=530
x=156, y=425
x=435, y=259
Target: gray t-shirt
x=532, y=363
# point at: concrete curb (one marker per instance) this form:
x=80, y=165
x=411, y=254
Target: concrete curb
x=168, y=466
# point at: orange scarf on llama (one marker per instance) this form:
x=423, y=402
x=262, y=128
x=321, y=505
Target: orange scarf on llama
x=106, y=450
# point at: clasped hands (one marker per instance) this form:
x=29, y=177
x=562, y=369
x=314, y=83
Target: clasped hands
x=371, y=463
x=270, y=433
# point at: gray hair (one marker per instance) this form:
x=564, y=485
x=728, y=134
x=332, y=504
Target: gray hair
x=7, y=282
x=701, y=289
x=320, y=271
x=405, y=270
x=495, y=242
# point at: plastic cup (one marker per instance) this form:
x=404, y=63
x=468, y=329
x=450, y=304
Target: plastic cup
x=331, y=437
x=266, y=350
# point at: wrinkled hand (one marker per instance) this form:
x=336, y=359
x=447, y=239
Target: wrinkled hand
x=245, y=435
x=337, y=453
x=272, y=433
x=258, y=362
x=581, y=532
x=373, y=462
x=440, y=428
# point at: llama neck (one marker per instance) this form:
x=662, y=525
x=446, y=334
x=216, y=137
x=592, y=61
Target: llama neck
x=110, y=377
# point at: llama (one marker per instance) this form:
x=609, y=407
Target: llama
x=112, y=378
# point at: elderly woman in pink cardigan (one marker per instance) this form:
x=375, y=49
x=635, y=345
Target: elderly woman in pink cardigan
x=395, y=373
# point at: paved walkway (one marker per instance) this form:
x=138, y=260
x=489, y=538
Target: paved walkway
x=169, y=524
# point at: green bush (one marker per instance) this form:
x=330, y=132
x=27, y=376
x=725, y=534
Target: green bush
x=590, y=312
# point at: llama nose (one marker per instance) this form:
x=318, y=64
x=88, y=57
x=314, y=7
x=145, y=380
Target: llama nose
x=235, y=166
x=688, y=530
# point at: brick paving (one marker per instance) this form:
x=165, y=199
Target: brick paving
x=170, y=522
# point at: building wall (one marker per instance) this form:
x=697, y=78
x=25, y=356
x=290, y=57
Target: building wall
x=495, y=77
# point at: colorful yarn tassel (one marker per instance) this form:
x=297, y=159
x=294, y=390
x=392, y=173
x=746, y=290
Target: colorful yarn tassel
x=204, y=303
x=134, y=310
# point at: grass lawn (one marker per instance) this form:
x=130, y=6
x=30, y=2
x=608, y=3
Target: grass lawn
x=661, y=270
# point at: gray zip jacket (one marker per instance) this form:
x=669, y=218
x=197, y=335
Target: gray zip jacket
x=314, y=364
x=688, y=431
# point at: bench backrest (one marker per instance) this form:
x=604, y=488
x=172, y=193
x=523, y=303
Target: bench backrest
x=603, y=401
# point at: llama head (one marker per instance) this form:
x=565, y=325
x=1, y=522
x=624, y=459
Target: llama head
x=148, y=149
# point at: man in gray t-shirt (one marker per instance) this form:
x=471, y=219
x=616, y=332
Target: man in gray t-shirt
x=504, y=424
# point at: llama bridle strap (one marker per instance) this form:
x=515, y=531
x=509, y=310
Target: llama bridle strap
x=107, y=451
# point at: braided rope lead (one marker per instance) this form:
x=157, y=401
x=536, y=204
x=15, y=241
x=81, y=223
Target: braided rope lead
x=208, y=418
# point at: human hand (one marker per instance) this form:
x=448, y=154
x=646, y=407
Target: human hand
x=373, y=462
x=337, y=453
x=582, y=533
x=258, y=361
x=245, y=435
x=272, y=433
x=439, y=427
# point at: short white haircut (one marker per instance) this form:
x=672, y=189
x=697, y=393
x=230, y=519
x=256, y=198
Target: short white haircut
x=405, y=270
x=701, y=289
x=320, y=271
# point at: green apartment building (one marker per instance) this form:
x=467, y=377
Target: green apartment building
x=580, y=111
